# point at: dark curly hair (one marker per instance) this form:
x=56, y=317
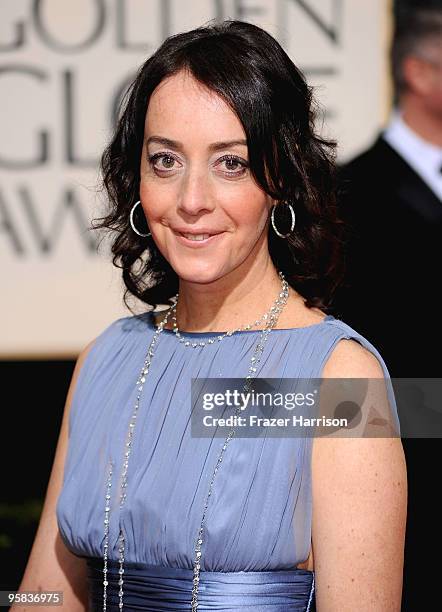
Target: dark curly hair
x=248, y=68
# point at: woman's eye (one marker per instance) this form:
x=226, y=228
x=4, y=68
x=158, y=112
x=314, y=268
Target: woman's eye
x=162, y=161
x=234, y=165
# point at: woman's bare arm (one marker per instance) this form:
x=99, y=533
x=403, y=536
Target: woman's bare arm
x=359, y=508
x=51, y=566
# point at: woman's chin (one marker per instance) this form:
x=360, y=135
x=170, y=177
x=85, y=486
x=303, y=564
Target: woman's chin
x=198, y=274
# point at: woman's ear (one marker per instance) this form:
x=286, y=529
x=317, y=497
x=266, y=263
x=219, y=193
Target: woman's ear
x=270, y=203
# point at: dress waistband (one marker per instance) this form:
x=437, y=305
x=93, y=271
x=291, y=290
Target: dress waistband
x=159, y=588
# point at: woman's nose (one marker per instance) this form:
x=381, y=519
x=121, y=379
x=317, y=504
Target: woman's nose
x=195, y=195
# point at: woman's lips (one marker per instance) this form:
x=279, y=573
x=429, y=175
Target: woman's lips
x=197, y=244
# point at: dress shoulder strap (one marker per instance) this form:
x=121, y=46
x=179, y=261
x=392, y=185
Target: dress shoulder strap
x=97, y=364
x=339, y=330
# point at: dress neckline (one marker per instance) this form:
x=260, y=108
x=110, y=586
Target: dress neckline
x=208, y=334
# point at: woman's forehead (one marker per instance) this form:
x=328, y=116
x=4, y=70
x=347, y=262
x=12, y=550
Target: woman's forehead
x=182, y=101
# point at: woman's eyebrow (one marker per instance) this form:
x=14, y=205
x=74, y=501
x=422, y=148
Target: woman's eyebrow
x=174, y=144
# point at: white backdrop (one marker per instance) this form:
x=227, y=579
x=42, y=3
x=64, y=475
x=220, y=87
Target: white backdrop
x=63, y=64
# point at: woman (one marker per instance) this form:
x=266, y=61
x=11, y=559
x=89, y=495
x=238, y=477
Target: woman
x=223, y=205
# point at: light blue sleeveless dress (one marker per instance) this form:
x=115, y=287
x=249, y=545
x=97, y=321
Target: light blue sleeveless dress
x=258, y=521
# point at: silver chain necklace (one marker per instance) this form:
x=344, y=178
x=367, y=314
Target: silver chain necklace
x=271, y=321
x=186, y=342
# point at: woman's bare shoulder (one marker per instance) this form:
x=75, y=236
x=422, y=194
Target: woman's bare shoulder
x=359, y=490
x=350, y=359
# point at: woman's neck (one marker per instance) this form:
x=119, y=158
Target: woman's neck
x=217, y=306
x=198, y=312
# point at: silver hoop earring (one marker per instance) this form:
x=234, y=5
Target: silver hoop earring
x=292, y=212
x=131, y=219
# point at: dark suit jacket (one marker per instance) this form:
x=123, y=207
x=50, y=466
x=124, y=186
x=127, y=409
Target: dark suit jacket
x=393, y=257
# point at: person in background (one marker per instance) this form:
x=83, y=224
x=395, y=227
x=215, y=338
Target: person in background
x=391, y=198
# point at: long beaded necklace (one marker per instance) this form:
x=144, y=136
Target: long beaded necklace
x=271, y=320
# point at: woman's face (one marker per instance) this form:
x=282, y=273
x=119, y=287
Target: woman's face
x=195, y=178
